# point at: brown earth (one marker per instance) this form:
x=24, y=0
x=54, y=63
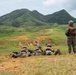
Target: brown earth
x=21, y=38
x=39, y=65
x=7, y=63
x=35, y=41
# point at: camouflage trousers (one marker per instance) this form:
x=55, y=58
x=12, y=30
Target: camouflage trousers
x=71, y=41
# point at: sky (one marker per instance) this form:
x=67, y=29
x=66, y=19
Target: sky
x=43, y=6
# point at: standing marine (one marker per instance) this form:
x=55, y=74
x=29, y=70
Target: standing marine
x=71, y=37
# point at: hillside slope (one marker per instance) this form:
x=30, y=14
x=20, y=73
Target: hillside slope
x=25, y=17
x=21, y=17
x=60, y=17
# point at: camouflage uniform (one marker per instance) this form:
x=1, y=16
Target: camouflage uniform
x=38, y=50
x=71, y=41
x=14, y=54
x=49, y=50
x=23, y=52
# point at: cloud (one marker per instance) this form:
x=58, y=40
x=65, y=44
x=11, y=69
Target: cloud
x=73, y=13
x=53, y=2
x=66, y=4
x=20, y=0
x=49, y=2
x=71, y=4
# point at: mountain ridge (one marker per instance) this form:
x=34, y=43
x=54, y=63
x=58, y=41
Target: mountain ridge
x=24, y=17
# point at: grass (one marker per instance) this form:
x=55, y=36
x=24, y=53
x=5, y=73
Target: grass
x=64, y=64
x=55, y=33
x=10, y=49
x=41, y=65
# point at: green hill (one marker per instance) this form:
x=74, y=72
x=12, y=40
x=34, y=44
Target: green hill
x=21, y=17
x=38, y=16
x=25, y=17
x=60, y=17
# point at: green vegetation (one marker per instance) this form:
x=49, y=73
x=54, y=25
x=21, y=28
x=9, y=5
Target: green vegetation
x=12, y=38
x=29, y=28
x=25, y=17
x=60, y=17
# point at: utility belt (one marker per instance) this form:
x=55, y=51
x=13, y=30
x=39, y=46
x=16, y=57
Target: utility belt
x=71, y=35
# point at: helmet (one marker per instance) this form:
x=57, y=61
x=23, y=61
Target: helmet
x=70, y=22
x=39, y=46
x=49, y=45
x=24, y=47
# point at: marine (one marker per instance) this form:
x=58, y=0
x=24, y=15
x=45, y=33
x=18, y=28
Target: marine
x=71, y=37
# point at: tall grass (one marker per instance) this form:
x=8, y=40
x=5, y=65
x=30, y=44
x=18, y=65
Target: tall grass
x=41, y=65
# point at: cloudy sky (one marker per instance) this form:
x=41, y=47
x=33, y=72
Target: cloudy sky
x=43, y=6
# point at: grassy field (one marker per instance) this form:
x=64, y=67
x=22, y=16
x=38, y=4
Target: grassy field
x=12, y=39
x=39, y=65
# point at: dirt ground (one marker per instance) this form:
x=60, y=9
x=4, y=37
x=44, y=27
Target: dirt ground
x=8, y=63
x=37, y=65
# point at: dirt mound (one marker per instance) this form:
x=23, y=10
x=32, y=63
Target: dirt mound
x=21, y=38
x=39, y=39
x=36, y=40
x=33, y=42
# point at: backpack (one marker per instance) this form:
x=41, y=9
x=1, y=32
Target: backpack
x=71, y=32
